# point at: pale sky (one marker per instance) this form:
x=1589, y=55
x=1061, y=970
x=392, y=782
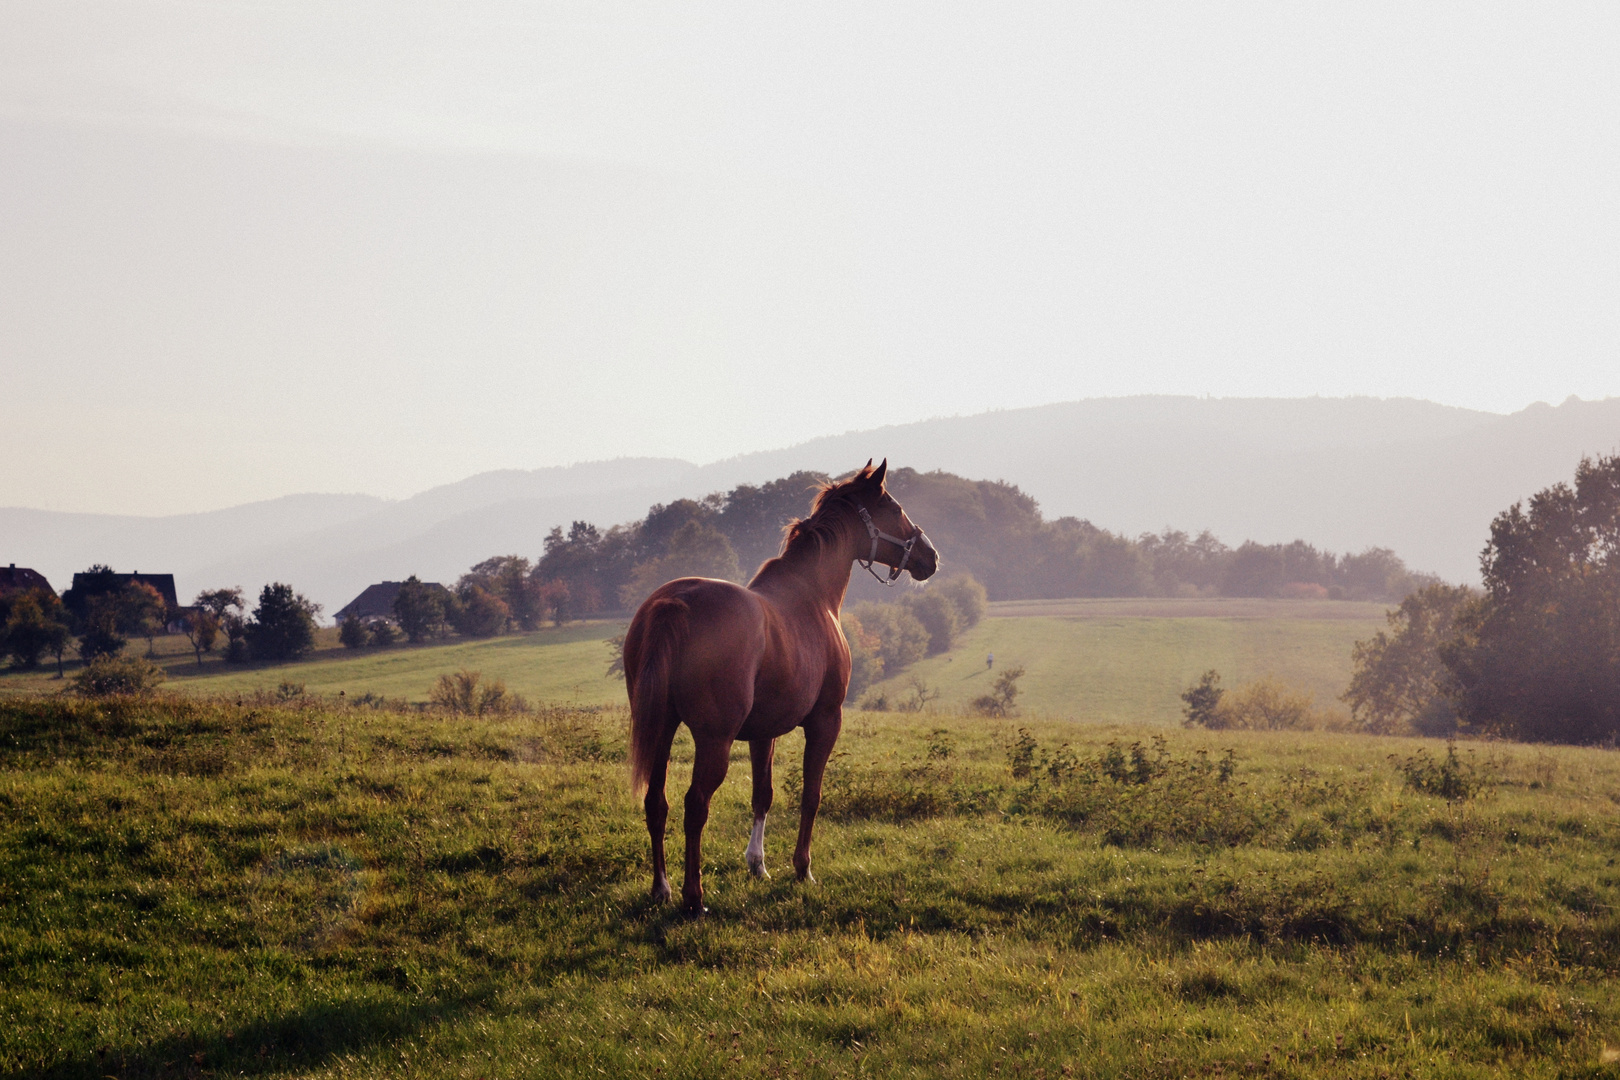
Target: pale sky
x=250, y=249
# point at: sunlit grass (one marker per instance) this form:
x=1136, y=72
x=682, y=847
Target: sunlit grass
x=191, y=887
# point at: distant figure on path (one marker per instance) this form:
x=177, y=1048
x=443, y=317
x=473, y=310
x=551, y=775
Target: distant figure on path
x=989, y=661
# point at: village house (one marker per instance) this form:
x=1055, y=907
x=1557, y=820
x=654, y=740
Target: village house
x=377, y=602
x=16, y=578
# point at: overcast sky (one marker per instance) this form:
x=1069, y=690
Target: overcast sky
x=248, y=249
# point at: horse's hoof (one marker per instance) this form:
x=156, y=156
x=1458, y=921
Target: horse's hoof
x=806, y=876
x=696, y=912
x=759, y=871
x=660, y=892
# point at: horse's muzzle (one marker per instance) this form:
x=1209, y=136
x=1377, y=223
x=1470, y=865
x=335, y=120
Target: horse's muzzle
x=924, y=559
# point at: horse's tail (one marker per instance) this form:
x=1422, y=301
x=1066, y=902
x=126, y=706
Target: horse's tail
x=651, y=713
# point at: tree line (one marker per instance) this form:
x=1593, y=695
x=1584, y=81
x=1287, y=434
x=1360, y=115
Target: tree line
x=99, y=615
x=988, y=528
x=1535, y=655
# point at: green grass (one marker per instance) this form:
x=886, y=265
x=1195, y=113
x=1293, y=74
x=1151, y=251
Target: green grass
x=1133, y=669
x=560, y=664
x=192, y=888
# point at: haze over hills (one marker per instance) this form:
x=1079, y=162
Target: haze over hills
x=1343, y=473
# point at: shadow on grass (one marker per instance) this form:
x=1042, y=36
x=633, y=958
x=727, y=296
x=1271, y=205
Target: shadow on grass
x=297, y=1041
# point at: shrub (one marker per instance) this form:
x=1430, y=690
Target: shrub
x=283, y=626
x=1450, y=778
x=467, y=694
x=477, y=612
x=107, y=675
x=1202, y=700
x=865, y=657
x=966, y=595
x=383, y=633
x=1001, y=701
x=902, y=640
x=353, y=633
x=1268, y=704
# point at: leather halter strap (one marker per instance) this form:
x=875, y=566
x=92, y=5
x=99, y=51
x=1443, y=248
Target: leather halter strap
x=877, y=536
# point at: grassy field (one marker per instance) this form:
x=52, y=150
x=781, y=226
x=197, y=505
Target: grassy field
x=1117, y=661
x=1128, y=661
x=193, y=888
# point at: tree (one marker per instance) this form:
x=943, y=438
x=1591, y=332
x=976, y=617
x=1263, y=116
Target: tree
x=201, y=627
x=865, y=659
x=696, y=549
x=283, y=625
x=419, y=609
x=1539, y=657
x=554, y=599
x=507, y=578
x=99, y=634
x=1398, y=682
x=476, y=612
x=1202, y=700
x=1003, y=696
x=226, y=607
x=33, y=623
x=902, y=640
x=382, y=633
x=966, y=594
x=353, y=633
x=142, y=612
x=938, y=616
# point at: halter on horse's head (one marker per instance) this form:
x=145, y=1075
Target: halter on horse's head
x=912, y=541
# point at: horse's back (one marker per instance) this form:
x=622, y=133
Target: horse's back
x=713, y=631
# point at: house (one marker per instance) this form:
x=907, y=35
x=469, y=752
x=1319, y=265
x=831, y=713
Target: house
x=377, y=602
x=86, y=585
x=16, y=578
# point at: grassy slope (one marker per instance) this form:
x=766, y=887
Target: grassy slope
x=196, y=889
x=1132, y=669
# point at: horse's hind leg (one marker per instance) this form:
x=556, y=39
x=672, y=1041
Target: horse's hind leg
x=760, y=753
x=708, y=771
x=657, y=809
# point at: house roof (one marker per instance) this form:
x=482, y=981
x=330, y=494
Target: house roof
x=163, y=583
x=14, y=578
x=378, y=600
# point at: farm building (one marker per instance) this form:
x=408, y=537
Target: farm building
x=377, y=602
x=16, y=578
x=91, y=584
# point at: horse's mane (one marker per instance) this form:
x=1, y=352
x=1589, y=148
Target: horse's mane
x=818, y=528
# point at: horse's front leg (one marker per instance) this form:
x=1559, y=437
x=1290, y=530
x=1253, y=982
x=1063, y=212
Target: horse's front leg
x=761, y=752
x=820, y=733
x=708, y=772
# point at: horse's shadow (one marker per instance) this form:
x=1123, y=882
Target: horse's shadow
x=295, y=1041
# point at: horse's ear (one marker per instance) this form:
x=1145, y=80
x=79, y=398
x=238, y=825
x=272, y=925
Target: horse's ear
x=882, y=471
x=865, y=470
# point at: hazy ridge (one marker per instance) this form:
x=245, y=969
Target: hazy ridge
x=1342, y=473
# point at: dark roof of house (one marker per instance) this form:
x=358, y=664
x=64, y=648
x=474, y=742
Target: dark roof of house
x=163, y=583
x=14, y=578
x=378, y=600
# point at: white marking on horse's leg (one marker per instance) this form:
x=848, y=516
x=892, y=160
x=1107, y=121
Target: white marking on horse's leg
x=756, y=849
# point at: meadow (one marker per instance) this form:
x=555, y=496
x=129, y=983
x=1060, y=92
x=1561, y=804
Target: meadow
x=192, y=887
x=1116, y=661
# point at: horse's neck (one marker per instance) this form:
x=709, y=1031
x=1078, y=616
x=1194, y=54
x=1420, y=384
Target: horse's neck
x=812, y=573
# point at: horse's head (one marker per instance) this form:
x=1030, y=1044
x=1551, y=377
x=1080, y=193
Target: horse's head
x=895, y=541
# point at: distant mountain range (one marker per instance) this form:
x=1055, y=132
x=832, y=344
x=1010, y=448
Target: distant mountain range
x=1342, y=473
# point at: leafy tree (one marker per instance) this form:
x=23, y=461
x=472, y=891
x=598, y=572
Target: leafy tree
x=1539, y=658
x=939, y=617
x=283, y=625
x=1202, y=699
x=476, y=612
x=902, y=640
x=99, y=634
x=554, y=598
x=865, y=657
x=352, y=634
x=695, y=549
x=226, y=607
x=966, y=595
x=508, y=578
x=1398, y=682
x=202, y=630
x=142, y=612
x=33, y=623
x=753, y=518
x=382, y=633
x=419, y=609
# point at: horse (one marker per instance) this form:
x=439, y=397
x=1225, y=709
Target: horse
x=754, y=662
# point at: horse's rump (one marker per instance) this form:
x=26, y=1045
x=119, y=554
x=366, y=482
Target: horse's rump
x=651, y=645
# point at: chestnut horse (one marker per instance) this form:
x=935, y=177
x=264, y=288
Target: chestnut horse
x=754, y=663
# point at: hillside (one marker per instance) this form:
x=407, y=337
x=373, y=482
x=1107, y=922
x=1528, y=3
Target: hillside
x=1344, y=474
